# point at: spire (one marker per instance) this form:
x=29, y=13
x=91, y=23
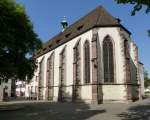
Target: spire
x=64, y=23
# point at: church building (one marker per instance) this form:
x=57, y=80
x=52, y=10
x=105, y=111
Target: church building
x=94, y=60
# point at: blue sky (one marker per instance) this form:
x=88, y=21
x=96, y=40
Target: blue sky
x=46, y=16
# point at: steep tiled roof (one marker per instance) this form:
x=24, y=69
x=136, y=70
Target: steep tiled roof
x=96, y=18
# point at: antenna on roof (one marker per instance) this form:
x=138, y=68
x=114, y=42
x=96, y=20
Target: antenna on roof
x=64, y=23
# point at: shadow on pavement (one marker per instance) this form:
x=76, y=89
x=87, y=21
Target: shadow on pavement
x=138, y=112
x=52, y=111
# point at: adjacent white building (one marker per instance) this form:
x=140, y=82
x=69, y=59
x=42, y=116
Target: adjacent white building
x=20, y=88
x=26, y=90
x=5, y=90
x=93, y=60
x=31, y=90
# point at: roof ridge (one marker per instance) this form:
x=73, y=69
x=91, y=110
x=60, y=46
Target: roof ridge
x=99, y=7
x=107, y=12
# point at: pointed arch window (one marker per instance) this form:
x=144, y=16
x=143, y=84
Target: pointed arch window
x=108, y=59
x=62, y=75
x=126, y=49
x=76, y=72
x=41, y=78
x=62, y=66
x=127, y=61
x=41, y=72
x=87, y=61
x=50, y=75
x=77, y=62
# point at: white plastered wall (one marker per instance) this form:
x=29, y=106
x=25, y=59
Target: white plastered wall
x=114, y=92
x=110, y=92
x=69, y=67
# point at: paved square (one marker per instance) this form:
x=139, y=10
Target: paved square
x=72, y=111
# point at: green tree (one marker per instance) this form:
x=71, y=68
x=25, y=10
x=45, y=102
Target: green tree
x=138, y=5
x=146, y=79
x=18, y=42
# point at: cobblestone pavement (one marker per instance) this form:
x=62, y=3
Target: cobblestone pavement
x=72, y=111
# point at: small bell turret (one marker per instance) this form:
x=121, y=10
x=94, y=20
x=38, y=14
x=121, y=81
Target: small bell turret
x=64, y=23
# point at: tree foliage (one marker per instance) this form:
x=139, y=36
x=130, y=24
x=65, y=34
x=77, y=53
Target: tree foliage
x=146, y=79
x=138, y=5
x=18, y=42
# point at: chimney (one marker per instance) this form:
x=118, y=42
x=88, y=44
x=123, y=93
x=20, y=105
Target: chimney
x=64, y=23
x=118, y=20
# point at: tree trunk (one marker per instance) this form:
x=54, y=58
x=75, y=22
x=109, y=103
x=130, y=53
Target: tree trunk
x=13, y=88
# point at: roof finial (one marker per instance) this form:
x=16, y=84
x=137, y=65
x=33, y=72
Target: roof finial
x=64, y=23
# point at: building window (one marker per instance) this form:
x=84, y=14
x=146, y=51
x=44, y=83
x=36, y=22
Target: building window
x=77, y=61
x=76, y=72
x=36, y=90
x=6, y=81
x=108, y=59
x=87, y=61
x=50, y=75
x=41, y=78
x=127, y=61
x=126, y=49
x=41, y=72
x=36, y=78
x=62, y=66
x=32, y=90
x=62, y=69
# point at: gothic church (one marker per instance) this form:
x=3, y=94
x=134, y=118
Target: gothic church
x=93, y=60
